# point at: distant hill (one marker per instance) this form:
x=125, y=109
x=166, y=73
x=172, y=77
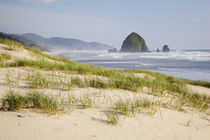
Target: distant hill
x=23, y=40
x=55, y=43
x=58, y=43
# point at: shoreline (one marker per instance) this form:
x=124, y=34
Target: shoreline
x=176, y=72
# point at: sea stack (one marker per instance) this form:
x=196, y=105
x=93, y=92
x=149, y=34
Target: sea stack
x=134, y=43
x=166, y=48
x=112, y=50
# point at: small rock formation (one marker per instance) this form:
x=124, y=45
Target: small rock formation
x=158, y=50
x=112, y=50
x=134, y=43
x=166, y=48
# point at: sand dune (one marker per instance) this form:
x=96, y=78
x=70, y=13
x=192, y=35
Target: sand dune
x=92, y=124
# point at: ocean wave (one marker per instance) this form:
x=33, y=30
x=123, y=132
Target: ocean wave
x=170, y=69
x=178, y=55
x=109, y=62
x=193, y=56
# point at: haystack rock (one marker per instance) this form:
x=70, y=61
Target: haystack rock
x=134, y=43
x=166, y=48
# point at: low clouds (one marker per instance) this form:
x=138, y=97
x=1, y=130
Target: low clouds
x=38, y=1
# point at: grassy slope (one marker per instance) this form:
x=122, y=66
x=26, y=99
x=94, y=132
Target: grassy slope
x=120, y=79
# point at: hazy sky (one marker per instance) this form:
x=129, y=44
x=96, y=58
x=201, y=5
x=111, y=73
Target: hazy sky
x=182, y=24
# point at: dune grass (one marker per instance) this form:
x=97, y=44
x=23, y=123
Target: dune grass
x=97, y=83
x=130, y=107
x=43, y=102
x=72, y=99
x=38, y=80
x=86, y=101
x=200, y=102
x=200, y=83
x=13, y=44
x=113, y=118
x=76, y=81
x=117, y=77
x=13, y=101
x=5, y=56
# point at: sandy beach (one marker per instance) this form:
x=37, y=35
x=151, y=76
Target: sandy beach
x=79, y=123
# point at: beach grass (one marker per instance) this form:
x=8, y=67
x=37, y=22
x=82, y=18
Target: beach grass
x=113, y=118
x=86, y=101
x=130, y=107
x=38, y=80
x=13, y=101
x=200, y=83
x=97, y=83
x=72, y=99
x=5, y=56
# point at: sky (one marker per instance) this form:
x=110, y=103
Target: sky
x=181, y=24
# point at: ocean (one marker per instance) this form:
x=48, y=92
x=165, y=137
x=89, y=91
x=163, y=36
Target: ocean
x=193, y=65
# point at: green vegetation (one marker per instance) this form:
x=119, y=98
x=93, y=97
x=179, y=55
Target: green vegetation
x=188, y=123
x=97, y=83
x=200, y=83
x=5, y=56
x=42, y=101
x=14, y=101
x=13, y=44
x=132, y=107
x=38, y=80
x=72, y=99
x=76, y=81
x=9, y=79
x=126, y=108
x=118, y=78
x=200, y=102
x=113, y=118
x=87, y=102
